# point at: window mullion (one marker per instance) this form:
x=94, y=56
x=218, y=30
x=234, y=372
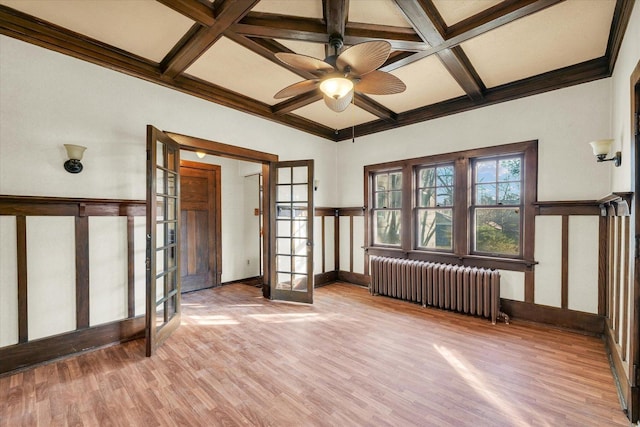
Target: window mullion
x=408, y=226
x=461, y=207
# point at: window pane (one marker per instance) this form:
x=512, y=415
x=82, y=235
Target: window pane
x=387, y=227
x=284, y=175
x=382, y=182
x=381, y=200
x=497, y=230
x=427, y=198
x=509, y=170
x=509, y=193
x=486, y=194
x=396, y=180
x=396, y=199
x=445, y=196
x=445, y=175
x=435, y=229
x=486, y=171
x=426, y=177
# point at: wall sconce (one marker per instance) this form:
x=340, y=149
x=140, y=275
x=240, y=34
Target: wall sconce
x=602, y=147
x=74, y=152
x=315, y=184
x=200, y=154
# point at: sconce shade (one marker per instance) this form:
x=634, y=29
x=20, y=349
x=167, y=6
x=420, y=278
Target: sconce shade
x=74, y=152
x=200, y=154
x=601, y=147
x=336, y=87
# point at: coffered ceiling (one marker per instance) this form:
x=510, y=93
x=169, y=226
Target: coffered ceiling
x=453, y=55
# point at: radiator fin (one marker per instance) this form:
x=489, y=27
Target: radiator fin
x=469, y=290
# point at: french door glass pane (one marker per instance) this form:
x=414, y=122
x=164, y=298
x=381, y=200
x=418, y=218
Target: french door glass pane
x=497, y=230
x=299, y=174
x=284, y=175
x=300, y=229
x=284, y=281
x=299, y=283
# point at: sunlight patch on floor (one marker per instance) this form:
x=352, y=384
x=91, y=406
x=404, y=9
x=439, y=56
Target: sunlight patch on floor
x=213, y=320
x=475, y=379
x=287, y=317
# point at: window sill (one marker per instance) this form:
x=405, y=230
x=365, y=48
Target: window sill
x=447, y=258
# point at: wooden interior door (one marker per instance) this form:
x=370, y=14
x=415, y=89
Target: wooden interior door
x=163, y=240
x=200, y=231
x=292, y=221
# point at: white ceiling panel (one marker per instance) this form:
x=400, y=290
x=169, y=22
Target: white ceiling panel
x=234, y=67
x=381, y=12
x=300, y=8
x=304, y=48
x=428, y=82
x=454, y=11
x=143, y=27
x=574, y=31
x=319, y=112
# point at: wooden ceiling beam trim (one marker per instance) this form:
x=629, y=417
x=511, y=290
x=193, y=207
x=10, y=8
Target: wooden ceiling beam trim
x=296, y=102
x=500, y=14
x=192, y=9
x=621, y=17
x=462, y=70
x=265, y=25
x=485, y=23
x=335, y=14
x=428, y=23
x=374, y=108
x=267, y=49
x=584, y=72
x=229, y=12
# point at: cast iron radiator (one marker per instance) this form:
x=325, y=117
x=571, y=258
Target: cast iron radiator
x=469, y=290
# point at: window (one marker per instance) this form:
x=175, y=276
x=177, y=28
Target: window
x=434, y=207
x=387, y=197
x=475, y=207
x=497, y=206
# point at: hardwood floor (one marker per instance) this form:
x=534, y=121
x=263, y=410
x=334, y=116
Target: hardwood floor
x=348, y=360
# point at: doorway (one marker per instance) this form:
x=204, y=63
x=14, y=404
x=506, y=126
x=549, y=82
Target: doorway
x=200, y=231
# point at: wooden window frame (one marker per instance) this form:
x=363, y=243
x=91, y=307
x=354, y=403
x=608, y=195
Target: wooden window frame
x=462, y=231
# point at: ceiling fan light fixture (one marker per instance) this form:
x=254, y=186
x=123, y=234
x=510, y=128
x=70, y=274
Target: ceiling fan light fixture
x=336, y=87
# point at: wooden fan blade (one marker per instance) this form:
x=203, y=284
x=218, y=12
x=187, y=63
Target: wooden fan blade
x=304, y=62
x=297, y=88
x=339, y=105
x=364, y=57
x=380, y=83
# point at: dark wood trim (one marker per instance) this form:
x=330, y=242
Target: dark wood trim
x=603, y=250
x=335, y=15
x=618, y=276
x=131, y=269
x=351, y=243
x=374, y=107
x=23, y=355
x=251, y=281
x=296, y=102
x=192, y=9
x=564, y=269
x=325, y=278
x=352, y=211
x=227, y=13
x=625, y=290
x=529, y=286
x=621, y=17
x=568, y=207
x=355, y=278
x=336, y=234
x=323, y=260
x=23, y=312
x=618, y=370
x=324, y=211
x=634, y=299
x=59, y=206
x=575, y=320
x=82, y=271
x=221, y=149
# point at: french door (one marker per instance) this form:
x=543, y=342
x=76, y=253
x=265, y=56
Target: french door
x=292, y=231
x=163, y=238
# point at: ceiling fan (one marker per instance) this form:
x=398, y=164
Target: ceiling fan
x=340, y=75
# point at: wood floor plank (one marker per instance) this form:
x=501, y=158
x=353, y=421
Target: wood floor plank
x=350, y=359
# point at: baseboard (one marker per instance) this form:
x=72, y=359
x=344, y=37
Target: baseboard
x=355, y=278
x=22, y=355
x=251, y=281
x=579, y=321
x=326, y=278
x=620, y=378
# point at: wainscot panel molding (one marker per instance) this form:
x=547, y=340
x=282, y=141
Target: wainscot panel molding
x=28, y=352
